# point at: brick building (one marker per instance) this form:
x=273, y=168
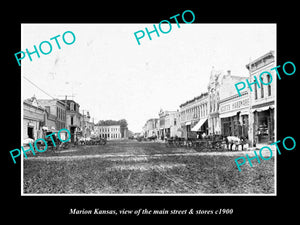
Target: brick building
x=56, y=113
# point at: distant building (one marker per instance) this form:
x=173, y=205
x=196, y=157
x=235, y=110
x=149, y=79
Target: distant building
x=110, y=132
x=194, y=114
x=169, y=123
x=151, y=128
x=87, y=126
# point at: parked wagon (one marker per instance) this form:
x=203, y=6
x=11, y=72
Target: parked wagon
x=93, y=140
x=175, y=142
x=53, y=141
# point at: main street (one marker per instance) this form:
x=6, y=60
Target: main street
x=131, y=167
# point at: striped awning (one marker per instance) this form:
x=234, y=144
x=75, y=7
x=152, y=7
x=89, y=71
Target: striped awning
x=199, y=124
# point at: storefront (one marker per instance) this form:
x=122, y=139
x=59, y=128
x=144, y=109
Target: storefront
x=234, y=114
x=264, y=124
x=236, y=125
x=201, y=126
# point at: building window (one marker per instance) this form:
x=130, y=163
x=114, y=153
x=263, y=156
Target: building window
x=71, y=120
x=72, y=106
x=262, y=90
x=255, y=91
x=269, y=86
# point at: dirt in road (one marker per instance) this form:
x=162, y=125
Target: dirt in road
x=144, y=168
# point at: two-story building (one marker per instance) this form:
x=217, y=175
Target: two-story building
x=151, y=128
x=234, y=113
x=34, y=117
x=233, y=110
x=56, y=113
x=73, y=117
x=169, y=122
x=87, y=126
x=228, y=112
x=194, y=114
x=262, y=99
x=110, y=132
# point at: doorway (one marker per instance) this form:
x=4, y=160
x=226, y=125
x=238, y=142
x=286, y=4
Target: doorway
x=30, y=132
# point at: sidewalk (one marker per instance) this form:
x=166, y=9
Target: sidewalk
x=259, y=146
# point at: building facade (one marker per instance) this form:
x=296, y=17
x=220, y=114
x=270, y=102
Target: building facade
x=228, y=112
x=234, y=114
x=169, y=122
x=194, y=115
x=262, y=100
x=214, y=123
x=151, y=128
x=56, y=113
x=73, y=118
x=110, y=132
x=34, y=117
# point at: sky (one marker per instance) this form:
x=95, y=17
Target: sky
x=113, y=77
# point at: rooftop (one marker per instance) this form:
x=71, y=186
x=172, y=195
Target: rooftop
x=194, y=99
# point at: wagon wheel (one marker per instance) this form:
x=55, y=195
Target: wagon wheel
x=181, y=143
x=194, y=145
x=190, y=144
x=167, y=144
x=209, y=145
x=203, y=146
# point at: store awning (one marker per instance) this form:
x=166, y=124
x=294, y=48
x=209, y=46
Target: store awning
x=262, y=109
x=199, y=124
x=229, y=114
x=244, y=112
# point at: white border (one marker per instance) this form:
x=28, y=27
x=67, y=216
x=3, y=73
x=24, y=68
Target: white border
x=227, y=194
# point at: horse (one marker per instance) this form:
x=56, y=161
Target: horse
x=235, y=140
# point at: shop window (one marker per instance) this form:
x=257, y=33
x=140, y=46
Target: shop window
x=255, y=91
x=262, y=91
x=269, y=86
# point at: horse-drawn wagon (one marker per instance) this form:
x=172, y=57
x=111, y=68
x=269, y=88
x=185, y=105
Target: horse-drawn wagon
x=207, y=143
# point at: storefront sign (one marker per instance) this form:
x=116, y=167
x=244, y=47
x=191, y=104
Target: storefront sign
x=234, y=105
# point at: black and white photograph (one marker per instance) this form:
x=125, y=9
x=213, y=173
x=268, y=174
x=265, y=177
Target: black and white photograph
x=157, y=115
x=148, y=112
